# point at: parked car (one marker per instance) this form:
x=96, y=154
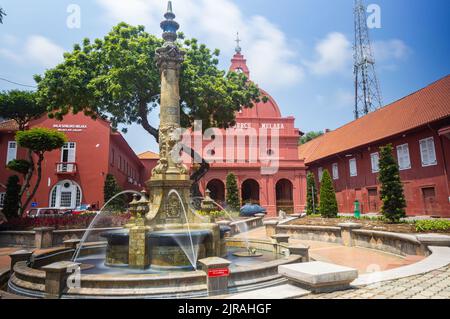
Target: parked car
x=250, y=210
x=43, y=212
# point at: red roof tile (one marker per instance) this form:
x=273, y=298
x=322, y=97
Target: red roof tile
x=149, y=155
x=427, y=105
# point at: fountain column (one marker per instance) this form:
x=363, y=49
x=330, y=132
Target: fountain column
x=170, y=173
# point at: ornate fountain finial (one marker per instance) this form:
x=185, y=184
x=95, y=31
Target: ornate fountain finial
x=238, y=41
x=169, y=26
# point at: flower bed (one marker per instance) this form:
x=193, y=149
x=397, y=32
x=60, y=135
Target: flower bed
x=378, y=224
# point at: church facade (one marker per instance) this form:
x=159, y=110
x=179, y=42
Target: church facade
x=270, y=172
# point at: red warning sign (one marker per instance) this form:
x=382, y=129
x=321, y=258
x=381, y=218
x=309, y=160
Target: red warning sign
x=218, y=272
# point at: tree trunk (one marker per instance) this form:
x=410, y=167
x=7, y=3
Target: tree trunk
x=26, y=182
x=38, y=181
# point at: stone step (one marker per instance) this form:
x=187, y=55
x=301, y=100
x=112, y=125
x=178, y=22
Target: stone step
x=277, y=292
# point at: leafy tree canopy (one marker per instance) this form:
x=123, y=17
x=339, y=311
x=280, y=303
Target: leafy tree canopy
x=310, y=136
x=40, y=140
x=19, y=166
x=20, y=106
x=116, y=77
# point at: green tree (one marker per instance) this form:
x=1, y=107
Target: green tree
x=309, y=137
x=311, y=195
x=19, y=166
x=20, y=106
x=233, y=198
x=11, y=203
x=116, y=77
x=38, y=141
x=328, y=207
x=110, y=189
x=391, y=194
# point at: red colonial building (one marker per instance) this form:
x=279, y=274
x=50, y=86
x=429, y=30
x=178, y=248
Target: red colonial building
x=269, y=173
x=418, y=127
x=75, y=175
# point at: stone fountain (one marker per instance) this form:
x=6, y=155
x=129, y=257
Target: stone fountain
x=163, y=232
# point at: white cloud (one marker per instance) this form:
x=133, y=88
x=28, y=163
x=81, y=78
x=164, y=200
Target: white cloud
x=269, y=54
x=334, y=54
x=43, y=51
x=387, y=51
x=37, y=50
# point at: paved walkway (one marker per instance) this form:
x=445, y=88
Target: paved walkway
x=362, y=259
x=433, y=285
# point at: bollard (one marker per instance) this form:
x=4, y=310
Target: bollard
x=71, y=243
x=43, y=237
x=217, y=271
x=21, y=255
x=56, y=276
x=347, y=232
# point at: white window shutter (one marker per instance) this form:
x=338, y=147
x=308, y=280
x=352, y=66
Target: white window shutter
x=12, y=151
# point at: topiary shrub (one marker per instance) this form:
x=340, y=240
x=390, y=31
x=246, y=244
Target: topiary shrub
x=233, y=199
x=11, y=203
x=110, y=189
x=392, y=196
x=328, y=207
x=311, y=195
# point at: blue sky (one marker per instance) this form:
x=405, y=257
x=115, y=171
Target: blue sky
x=297, y=50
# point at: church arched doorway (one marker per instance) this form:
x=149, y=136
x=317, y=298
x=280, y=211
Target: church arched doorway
x=217, y=189
x=285, y=196
x=250, y=192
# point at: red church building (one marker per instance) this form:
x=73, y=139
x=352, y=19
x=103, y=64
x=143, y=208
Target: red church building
x=418, y=127
x=75, y=175
x=272, y=175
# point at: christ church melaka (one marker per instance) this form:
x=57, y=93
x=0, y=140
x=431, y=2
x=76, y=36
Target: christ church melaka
x=261, y=150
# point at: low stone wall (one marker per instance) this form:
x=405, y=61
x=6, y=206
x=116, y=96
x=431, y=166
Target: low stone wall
x=240, y=226
x=314, y=233
x=47, y=237
x=349, y=234
x=399, y=244
x=60, y=236
x=17, y=239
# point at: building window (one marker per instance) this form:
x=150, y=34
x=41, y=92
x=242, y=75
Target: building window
x=113, y=155
x=2, y=199
x=66, y=194
x=335, y=171
x=68, y=157
x=12, y=152
x=375, y=160
x=320, y=174
x=428, y=152
x=353, y=168
x=404, y=161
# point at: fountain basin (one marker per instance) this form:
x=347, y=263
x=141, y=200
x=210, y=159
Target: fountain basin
x=168, y=250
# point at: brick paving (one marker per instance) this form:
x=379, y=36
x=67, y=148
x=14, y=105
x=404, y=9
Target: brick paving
x=433, y=285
